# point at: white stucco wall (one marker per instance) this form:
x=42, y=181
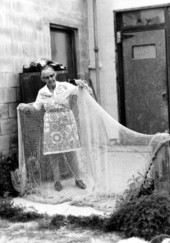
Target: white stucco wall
x=106, y=44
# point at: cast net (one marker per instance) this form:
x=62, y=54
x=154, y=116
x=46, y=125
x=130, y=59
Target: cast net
x=105, y=155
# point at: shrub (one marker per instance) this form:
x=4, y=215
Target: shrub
x=144, y=216
x=7, y=164
x=92, y=222
x=45, y=223
x=137, y=186
x=57, y=221
x=16, y=213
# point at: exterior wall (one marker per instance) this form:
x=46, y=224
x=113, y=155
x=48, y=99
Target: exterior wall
x=25, y=37
x=106, y=54
x=106, y=41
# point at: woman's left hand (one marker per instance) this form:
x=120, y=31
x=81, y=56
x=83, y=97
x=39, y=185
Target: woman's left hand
x=81, y=83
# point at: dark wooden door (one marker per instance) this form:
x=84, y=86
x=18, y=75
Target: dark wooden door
x=145, y=81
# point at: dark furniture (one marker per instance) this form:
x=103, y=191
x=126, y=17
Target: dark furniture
x=31, y=83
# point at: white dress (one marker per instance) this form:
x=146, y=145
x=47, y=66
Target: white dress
x=60, y=129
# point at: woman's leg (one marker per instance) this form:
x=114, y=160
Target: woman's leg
x=72, y=162
x=54, y=162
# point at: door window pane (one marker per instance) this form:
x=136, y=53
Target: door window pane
x=144, y=51
x=144, y=17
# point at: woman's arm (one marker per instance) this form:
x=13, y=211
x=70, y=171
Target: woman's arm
x=82, y=84
x=39, y=101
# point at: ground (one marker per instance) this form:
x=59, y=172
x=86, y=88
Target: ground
x=30, y=233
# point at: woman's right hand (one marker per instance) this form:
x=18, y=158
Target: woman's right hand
x=25, y=107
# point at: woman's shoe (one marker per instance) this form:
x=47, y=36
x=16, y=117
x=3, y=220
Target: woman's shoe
x=58, y=187
x=80, y=184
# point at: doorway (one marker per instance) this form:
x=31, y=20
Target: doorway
x=143, y=71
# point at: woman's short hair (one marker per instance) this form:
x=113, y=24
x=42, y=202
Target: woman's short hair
x=45, y=68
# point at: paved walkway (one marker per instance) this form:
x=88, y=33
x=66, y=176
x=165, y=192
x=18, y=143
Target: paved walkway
x=51, y=209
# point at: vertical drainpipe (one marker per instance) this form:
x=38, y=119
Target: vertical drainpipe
x=96, y=50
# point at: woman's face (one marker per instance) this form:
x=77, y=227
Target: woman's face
x=49, y=77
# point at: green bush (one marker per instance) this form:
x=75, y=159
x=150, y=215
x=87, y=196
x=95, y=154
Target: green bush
x=92, y=222
x=144, y=216
x=58, y=221
x=7, y=164
x=16, y=213
x=137, y=186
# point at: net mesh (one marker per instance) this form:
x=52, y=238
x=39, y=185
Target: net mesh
x=105, y=156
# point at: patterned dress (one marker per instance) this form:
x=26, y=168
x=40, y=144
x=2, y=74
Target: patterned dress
x=60, y=129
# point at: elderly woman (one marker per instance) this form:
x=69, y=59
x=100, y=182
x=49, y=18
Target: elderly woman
x=107, y=154
x=60, y=129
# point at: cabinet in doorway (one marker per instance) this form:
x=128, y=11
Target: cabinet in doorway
x=30, y=84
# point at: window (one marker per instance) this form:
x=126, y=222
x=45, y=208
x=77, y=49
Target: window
x=63, y=48
x=144, y=17
x=144, y=51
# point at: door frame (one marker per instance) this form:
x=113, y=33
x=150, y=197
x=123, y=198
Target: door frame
x=119, y=31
